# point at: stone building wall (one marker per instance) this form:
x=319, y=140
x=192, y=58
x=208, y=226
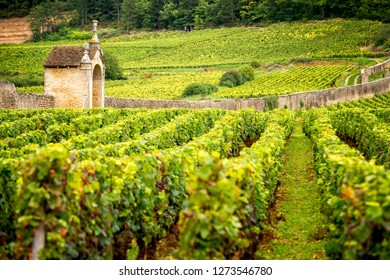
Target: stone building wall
x=68, y=86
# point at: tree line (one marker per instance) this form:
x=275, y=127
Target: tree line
x=176, y=14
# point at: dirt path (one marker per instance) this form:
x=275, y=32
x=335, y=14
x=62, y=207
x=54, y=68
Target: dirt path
x=297, y=226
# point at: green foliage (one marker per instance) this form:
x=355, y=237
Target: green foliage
x=379, y=101
x=78, y=35
x=25, y=80
x=108, y=195
x=355, y=193
x=48, y=18
x=301, y=60
x=8, y=189
x=302, y=103
x=369, y=133
x=133, y=175
x=271, y=102
x=238, y=194
x=155, y=50
x=177, y=132
x=295, y=79
x=113, y=70
x=231, y=78
x=176, y=14
x=247, y=73
x=43, y=128
x=227, y=136
x=199, y=88
x=255, y=64
x=382, y=38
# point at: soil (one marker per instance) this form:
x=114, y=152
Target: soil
x=15, y=31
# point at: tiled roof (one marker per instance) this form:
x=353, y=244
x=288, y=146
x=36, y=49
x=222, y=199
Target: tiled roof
x=66, y=56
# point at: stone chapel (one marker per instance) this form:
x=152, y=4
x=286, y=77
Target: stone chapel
x=74, y=75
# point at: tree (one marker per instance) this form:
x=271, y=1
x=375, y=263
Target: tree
x=375, y=10
x=136, y=14
x=47, y=17
x=202, y=15
x=168, y=15
x=227, y=11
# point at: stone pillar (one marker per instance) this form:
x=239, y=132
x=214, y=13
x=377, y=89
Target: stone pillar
x=86, y=67
x=94, y=43
x=365, y=76
x=103, y=85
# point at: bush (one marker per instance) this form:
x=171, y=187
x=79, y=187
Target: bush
x=199, y=88
x=382, y=38
x=79, y=35
x=255, y=64
x=271, y=102
x=113, y=69
x=231, y=78
x=247, y=73
x=25, y=80
x=301, y=60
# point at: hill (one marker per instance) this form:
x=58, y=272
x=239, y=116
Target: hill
x=14, y=31
x=168, y=53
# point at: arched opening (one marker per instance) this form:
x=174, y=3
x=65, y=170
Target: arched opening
x=97, y=87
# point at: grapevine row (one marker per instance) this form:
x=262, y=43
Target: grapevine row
x=366, y=131
x=355, y=193
x=230, y=198
x=87, y=207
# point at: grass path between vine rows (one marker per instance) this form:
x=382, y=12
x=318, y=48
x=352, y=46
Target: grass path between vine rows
x=296, y=225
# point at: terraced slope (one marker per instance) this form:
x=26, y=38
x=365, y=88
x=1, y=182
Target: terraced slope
x=15, y=31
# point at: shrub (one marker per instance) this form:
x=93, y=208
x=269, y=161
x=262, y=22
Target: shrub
x=113, y=69
x=247, y=73
x=271, y=102
x=301, y=60
x=302, y=103
x=255, y=64
x=199, y=88
x=25, y=80
x=231, y=78
x=79, y=35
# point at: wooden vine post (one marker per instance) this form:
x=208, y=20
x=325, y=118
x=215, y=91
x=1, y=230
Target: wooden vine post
x=38, y=241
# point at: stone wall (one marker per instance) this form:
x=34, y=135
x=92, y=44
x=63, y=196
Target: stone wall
x=291, y=101
x=69, y=86
x=10, y=99
x=7, y=95
x=381, y=67
x=230, y=104
x=335, y=95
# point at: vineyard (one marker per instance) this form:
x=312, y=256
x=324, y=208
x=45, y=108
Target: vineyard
x=296, y=79
x=179, y=183
x=159, y=65
x=121, y=183
x=171, y=84
x=352, y=159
